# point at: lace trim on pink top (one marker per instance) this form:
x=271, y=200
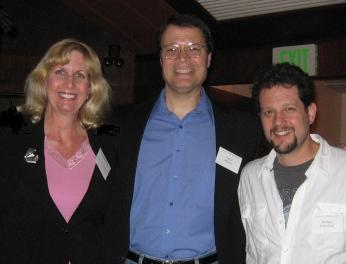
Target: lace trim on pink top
x=73, y=160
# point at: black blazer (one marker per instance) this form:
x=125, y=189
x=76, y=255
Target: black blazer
x=32, y=229
x=237, y=132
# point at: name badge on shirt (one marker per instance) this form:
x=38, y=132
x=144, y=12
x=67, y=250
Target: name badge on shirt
x=228, y=160
x=103, y=164
x=327, y=224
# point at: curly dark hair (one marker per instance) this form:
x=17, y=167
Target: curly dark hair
x=186, y=20
x=286, y=75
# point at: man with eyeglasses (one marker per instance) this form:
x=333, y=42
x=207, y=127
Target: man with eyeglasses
x=180, y=163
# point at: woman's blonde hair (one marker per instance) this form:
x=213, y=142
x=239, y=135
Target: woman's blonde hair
x=93, y=110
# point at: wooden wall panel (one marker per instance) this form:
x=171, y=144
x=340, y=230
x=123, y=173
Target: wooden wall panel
x=332, y=58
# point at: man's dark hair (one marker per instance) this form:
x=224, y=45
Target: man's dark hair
x=186, y=20
x=286, y=75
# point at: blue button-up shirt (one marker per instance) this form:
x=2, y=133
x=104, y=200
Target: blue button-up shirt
x=172, y=214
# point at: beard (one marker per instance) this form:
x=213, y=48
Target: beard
x=285, y=148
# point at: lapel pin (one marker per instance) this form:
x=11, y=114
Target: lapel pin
x=31, y=156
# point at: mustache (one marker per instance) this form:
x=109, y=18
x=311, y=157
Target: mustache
x=280, y=129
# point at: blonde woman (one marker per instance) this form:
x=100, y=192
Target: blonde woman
x=55, y=176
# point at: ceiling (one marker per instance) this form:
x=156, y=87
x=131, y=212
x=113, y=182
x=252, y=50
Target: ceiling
x=135, y=22
x=233, y=23
x=230, y=9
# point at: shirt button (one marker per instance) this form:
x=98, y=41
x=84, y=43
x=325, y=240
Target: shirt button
x=177, y=150
x=171, y=204
x=66, y=231
x=167, y=231
x=180, y=126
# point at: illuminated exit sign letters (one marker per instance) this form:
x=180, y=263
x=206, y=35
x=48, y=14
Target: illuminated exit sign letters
x=304, y=56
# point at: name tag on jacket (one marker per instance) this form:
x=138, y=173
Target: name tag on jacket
x=228, y=160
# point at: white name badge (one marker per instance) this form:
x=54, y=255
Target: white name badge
x=327, y=224
x=228, y=160
x=103, y=164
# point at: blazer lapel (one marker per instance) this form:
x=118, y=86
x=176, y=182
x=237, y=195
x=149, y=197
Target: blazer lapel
x=223, y=139
x=139, y=123
x=98, y=185
x=226, y=181
x=34, y=174
x=131, y=134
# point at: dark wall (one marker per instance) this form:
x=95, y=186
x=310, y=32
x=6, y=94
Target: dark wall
x=244, y=46
x=40, y=23
x=148, y=78
x=240, y=65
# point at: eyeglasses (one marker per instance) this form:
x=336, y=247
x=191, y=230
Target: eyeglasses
x=172, y=52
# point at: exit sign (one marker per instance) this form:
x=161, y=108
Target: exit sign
x=303, y=56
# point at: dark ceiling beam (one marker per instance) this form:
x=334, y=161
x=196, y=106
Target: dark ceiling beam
x=297, y=27
x=294, y=27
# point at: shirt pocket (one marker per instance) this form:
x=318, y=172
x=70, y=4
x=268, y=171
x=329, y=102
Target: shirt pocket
x=253, y=216
x=327, y=226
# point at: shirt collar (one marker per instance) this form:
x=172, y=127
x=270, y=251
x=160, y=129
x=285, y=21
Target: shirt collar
x=203, y=106
x=320, y=161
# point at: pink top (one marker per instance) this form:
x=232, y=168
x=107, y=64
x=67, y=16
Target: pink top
x=68, y=179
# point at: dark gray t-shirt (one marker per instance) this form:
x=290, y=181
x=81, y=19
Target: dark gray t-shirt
x=288, y=180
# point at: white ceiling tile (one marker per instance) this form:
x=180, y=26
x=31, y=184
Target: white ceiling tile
x=230, y=9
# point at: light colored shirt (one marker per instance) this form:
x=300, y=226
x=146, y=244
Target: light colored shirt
x=68, y=179
x=172, y=214
x=316, y=228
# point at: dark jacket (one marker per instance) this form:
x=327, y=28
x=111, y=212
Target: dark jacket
x=32, y=230
x=237, y=132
